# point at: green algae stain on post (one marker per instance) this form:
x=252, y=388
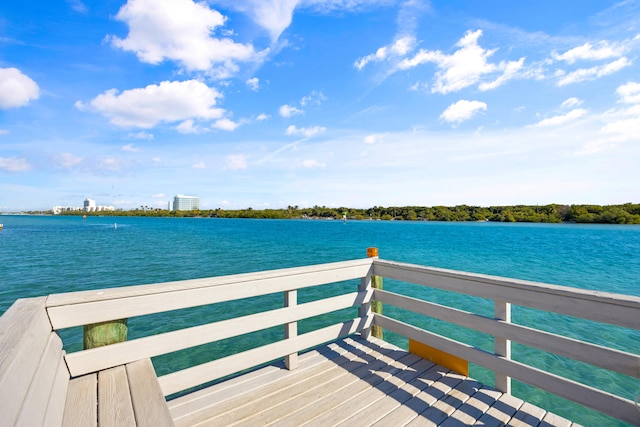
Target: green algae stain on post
x=376, y=306
x=105, y=333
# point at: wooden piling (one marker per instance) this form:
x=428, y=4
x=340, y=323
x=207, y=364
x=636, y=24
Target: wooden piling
x=104, y=333
x=376, y=306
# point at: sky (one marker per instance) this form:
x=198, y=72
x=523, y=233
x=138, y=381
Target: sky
x=357, y=103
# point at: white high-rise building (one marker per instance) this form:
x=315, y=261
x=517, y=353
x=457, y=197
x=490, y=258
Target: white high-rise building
x=89, y=205
x=186, y=203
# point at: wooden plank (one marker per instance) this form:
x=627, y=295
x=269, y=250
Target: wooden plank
x=502, y=409
x=270, y=389
x=527, y=416
x=351, y=378
x=70, y=298
x=37, y=398
x=191, y=377
x=114, y=400
x=604, y=402
x=149, y=404
x=364, y=402
x=121, y=353
x=65, y=316
x=57, y=400
x=614, y=360
x=24, y=334
x=551, y=419
x=441, y=382
x=81, y=407
x=240, y=385
x=471, y=410
x=616, y=309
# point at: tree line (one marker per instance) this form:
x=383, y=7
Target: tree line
x=628, y=213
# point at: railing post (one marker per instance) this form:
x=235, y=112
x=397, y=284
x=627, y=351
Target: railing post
x=104, y=333
x=376, y=306
x=291, y=329
x=502, y=347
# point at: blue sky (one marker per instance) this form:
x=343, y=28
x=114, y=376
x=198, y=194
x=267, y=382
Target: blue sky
x=269, y=103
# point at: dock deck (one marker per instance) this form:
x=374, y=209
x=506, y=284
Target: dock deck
x=355, y=382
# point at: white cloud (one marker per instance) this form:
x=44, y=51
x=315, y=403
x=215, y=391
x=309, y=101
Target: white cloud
x=465, y=67
x=253, y=83
x=78, y=6
x=593, y=73
x=571, y=102
x=16, y=88
x=305, y=132
x=110, y=164
x=287, y=111
x=13, y=164
x=130, y=148
x=313, y=164
x=400, y=47
x=67, y=160
x=236, y=162
x=587, y=51
x=629, y=93
x=562, y=118
x=189, y=127
x=166, y=102
x=199, y=165
x=141, y=135
x=373, y=138
x=273, y=15
x=226, y=124
x=181, y=31
x=315, y=97
x=262, y=117
x=462, y=110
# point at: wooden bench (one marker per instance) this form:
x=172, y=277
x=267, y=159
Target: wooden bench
x=37, y=389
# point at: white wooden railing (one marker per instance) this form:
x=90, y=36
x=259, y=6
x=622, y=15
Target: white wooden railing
x=90, y=307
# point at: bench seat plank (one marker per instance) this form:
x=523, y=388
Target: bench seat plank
x=149, y=404
x=114, y=400
x=81, y=408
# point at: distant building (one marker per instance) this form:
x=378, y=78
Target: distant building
x=186, y=203
x=89, y=206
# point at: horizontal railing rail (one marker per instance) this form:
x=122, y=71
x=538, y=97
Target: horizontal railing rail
x=620, y=310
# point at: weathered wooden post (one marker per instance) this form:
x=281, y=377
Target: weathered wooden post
x=105, y=333
x=376, y=306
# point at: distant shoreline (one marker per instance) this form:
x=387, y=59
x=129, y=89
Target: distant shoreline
x=628, y=213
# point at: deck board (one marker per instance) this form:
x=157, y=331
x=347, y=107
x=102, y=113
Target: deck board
x=353, y=382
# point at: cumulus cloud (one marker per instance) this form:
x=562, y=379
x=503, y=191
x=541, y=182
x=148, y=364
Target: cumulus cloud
x=629, y=93
x=16, y=88
x=190, y=127
x=307, y=132
x=166, y=102
x=236, y=162
x=604, y=50
x=262, y=116
x=253, y=83
x=287, y=111
x=130, y=148
x=584, y=74
x=226, y=124
x=14, y=164
x=401, y=47
x=462, y=110
x=562, y=118
x=465, y=67
x=181, y=31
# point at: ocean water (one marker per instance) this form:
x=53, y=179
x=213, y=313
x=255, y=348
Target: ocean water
x=40, y=255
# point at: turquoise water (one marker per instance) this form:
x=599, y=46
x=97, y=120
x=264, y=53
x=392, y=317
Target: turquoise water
x=43, y=255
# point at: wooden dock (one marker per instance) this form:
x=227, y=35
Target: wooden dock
x=339, y=374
